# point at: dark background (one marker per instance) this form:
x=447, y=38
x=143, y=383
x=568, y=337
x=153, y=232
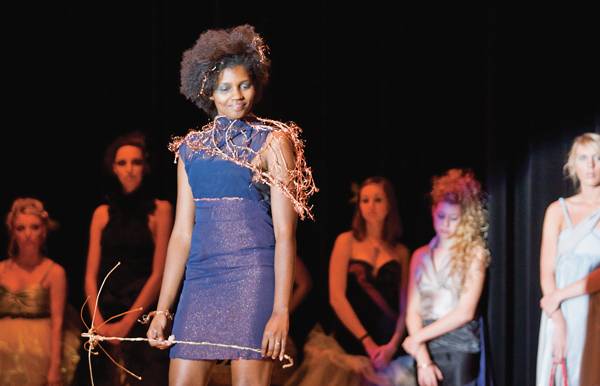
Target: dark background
x=405, y=92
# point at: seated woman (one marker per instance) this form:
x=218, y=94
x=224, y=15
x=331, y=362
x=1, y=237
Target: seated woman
x=367, y=285
x=34, y=351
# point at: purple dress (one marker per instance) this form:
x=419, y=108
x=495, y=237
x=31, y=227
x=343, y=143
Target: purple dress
x=227, y=295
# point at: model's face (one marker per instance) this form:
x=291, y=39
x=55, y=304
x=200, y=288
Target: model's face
x=446, y=217
x=587, y=165
x=234, y=92
x=373, y=203
x=129, y=167
x=29, y=232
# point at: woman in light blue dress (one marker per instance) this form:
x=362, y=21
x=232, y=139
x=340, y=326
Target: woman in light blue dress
x=570, y=261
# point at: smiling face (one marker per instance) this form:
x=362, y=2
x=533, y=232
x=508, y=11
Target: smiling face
x=234, y=93
x=446, y=217
x=373, y=204
x=128, y=166
x=587, y=165
x=29, y=232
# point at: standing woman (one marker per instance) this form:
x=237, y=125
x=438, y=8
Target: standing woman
x=446, y=282
x=132, y=227
x=570, y=258
x=34, y=350
x=242, y=181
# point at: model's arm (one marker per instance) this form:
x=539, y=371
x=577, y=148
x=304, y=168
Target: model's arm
x=554, y=296
x=550, y=232
x=99, y=221
x=58, y=296
x=279, y=155
x=338, y=271
x=177, y=255
x=427, y=372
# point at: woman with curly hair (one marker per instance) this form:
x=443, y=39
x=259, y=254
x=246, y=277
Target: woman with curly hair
x=35, y=346
x=446, y=282
x=242, y=182
x=569, y=273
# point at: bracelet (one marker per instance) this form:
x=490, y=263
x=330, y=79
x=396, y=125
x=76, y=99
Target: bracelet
x=166, y=313
x=146, y=318
x=365, y=336
x=424, y=366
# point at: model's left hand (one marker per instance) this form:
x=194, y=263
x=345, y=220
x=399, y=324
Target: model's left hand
x=275, y=335
x=550, y=303
x=384, y=355
x=411, y=345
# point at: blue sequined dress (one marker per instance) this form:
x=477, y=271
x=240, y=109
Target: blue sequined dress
x=227, y=295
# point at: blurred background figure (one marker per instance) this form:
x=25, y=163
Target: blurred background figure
x=35, y=348
x=570, y=258
x=133, y=228
x=446, y=282
x=368, y=276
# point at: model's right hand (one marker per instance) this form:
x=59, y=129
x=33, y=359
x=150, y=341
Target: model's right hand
x=371, y=348
x=383, y=355
x=156, y=332
x=429, y=376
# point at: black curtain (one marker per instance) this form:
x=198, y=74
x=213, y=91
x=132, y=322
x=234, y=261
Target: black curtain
x=404, y=91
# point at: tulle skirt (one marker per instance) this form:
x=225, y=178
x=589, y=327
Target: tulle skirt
x=326, y=363
x=25, y=352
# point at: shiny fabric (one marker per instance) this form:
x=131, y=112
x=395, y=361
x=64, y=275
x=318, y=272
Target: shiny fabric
x=457, y=353
x=439, y=290
x=578, y=255
x=25, y=338
x=227, y=295
x=458, y=368
x=31, y=302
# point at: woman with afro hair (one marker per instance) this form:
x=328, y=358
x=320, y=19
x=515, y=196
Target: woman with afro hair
x=242, y=183
x=446, y=281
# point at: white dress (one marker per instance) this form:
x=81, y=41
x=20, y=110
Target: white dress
x=578, y=255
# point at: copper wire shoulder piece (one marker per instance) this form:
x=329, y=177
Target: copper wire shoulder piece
x=297, y=185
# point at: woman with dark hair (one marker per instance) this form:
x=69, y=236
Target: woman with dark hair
x=368, y=275
x=446, y=281
x=242, y=181
x=35, y=347
x=570, y=273
x=132, y=227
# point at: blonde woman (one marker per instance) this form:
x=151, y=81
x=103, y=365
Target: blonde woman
x=569, y=261
x=34, y=351
x=446, y=281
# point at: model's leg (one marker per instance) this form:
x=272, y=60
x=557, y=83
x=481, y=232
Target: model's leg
x=184, y=372
x=251, y=372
